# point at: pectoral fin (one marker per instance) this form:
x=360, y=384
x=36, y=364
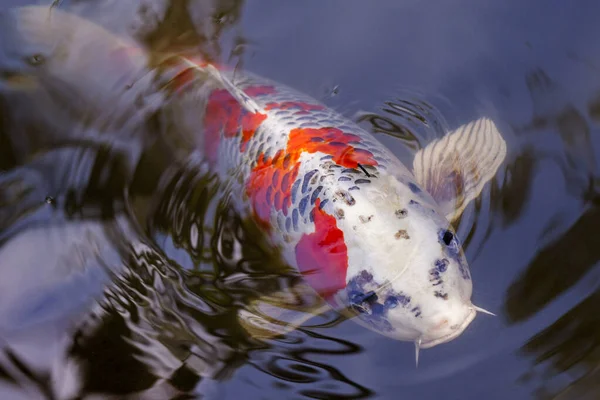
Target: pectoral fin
x=455, y=168
x=281, y=312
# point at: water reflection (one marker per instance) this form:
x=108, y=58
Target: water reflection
x=569, y=345
x=168, y=316
x=408, y=118
x=552, y=111
x=124, y=271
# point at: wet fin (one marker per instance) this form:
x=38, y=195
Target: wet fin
x=281, y=312
x=455, y=168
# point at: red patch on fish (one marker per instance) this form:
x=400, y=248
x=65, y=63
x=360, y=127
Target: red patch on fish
x=270, y=185
x=322, y=256
x=225, y=113
x=301, y=106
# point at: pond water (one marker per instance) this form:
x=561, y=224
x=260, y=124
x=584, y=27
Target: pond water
x=123, y=268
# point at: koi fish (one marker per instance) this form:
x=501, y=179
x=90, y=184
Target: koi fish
x=371, y=237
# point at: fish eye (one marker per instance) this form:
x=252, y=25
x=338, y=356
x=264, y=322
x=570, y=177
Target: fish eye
x=36, y=59
x=447, y=238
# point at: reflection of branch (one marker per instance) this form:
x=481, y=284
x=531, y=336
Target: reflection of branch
x=40, y=379
x=573, y=340
x=508, y=199
x=189, y=25
x=556, y=268
x=106, y=358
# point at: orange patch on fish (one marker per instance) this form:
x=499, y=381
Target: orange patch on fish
x=331, y=141
x=264, y=184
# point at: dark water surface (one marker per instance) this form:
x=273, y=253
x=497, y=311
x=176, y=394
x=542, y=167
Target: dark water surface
x=121, y=275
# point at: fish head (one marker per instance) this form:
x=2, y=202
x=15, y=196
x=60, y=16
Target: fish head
x=64, y=55
x=407, y=276
x=24, y=50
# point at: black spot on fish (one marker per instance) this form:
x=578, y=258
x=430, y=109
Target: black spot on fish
x=361, y=181
x=337, y=144
x=322, y=204
x=314, y=179
x=414, y=203
x=441, y=265
x=354, y=188
x=302, y=205
x=339, y=213
x=391, y=302
x=315, y=194
x=417, y=311
x=403, y=299
x=328, y=157
x=364, y=219
x=295, y=219
x=441, y=295
x=435, y=277
x=347, y=197
x=344, y=179
x=401, y=234
x=295, y=190
x=316, y=139
x=401, y=213
x=307, y=177
x=377, y=308
x=413, y=188
x=365, y=276
x=269, y=195
x=349, y=171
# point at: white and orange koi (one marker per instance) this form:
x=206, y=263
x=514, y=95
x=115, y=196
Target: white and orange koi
x=366, y=233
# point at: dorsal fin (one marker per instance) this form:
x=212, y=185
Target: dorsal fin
x=455, y=168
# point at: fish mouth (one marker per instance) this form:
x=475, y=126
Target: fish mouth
x=451, y=336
